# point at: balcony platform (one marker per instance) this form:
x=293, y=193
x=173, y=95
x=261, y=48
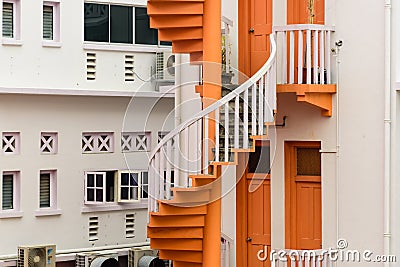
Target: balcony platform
x=318, y=95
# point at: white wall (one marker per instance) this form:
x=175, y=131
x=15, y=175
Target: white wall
x=32, y=65
x=70, y=116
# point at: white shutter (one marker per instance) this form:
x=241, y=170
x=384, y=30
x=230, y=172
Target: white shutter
x=8, y=20
x=48, y=22
x=8, y=192
x=45, y=190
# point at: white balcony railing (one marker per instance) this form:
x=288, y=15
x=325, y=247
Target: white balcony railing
x=302, y=258
x=305, y=53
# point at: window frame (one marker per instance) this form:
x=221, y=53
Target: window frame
x=56, y=41
x=53, y=189
x=16, y=192
x=16, y=39
x=139, y=188
x=89, y=202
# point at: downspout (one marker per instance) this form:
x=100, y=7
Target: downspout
x=387, y=122
x=178, y=89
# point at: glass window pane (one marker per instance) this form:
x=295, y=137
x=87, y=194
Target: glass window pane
x=124, y=193
x=90, y=180
x=124, y=178
x=44, y=197
x=143, y=33
x=134, y=179
x=90, y=195
x=145, y=189
x=308, y=161
x=145, y=177
x=121, y=24
x=96, y=22
x=134, y=193
x=99, y=180
x=99, y=195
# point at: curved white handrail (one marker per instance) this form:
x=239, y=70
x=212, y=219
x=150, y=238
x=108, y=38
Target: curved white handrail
x=261, y=88
x=252, y=80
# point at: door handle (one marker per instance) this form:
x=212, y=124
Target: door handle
x=249, y=239
x=251, y=30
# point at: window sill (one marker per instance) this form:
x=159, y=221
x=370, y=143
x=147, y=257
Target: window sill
x=14, y=42
x=51, y=44
x=11, y=214
x=125, y=47
x=114, y=207
x=48, y=212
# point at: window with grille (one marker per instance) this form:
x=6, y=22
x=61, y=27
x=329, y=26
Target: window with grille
x=47, y=189
x=98, y=142
x=10, y=191
x=99, y=187
x=8, y=19
x=48, y=22
x=48, y=143
x=135, y=141
x=10, y=142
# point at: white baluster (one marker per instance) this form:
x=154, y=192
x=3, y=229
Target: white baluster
x=308, y=59
x=328, y=57
x=315, y=57
x=236, y=126
x=273, y=91
x=226, y=125
x=151, y=192
x=206, y=140
x=300, y=58
x=199, y=145
x=217, y=135
x=157, y=178
x=291, y=59
x=246, y=119
x=195, y=137
x=177, y=149
x=284, y=59
x=261, y=107
x=268, y=112
x=186, y=157
x=168, y=169
x=162, y=172
x=322, y=57
x=254, y=110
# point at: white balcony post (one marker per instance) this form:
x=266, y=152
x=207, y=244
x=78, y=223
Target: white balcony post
x=246, y=119
x=315, y=57
x=300, y=58
x=322, y=57
x=308, y=59
x=291, y=59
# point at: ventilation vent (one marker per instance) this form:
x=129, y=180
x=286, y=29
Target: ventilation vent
x=130, y=225
x=48, y=22
x=80, y=260
x=93, y=228
x=10, y=143
x=129, y=73
x=8, y=20
x=91, y=66
x=21, y=258
x=160, y=66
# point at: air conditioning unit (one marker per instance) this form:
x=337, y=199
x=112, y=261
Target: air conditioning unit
x=144, y=257
x=96, y=259
x=37, y=256
x=165, y=66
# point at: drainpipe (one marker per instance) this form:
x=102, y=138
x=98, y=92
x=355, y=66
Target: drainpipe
x=387, y=121
x=178, y=88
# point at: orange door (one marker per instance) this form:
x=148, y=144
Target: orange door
x=255, y=25
x=303, y=195
x=298, y=12
x=259, y=223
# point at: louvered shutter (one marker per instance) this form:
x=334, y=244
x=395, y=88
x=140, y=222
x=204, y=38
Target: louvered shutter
x=45, y=190
x=48, y=22
x=8, y=192
x=8, y=20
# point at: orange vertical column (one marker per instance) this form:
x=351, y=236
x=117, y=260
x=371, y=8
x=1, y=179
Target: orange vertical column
x=211, y=93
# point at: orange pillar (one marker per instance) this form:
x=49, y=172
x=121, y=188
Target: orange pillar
x=212, y=92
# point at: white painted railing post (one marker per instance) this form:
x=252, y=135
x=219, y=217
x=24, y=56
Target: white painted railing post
x=322, y=57
x=308, y=56
x=291, y=58
x=300, y=58
x=328, y=56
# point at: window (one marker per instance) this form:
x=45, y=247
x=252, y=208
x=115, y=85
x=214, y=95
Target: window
x=128, y=186
x=99, y=187
x=135, y=141
x=144, y=184
x=108, y=23
x=308, y=161
x=10, y=143
x=51, y=21
x=143, y=33
x=48, y=143
x=10, y=19
x=48, y=189
x=10, y=191
x=97, y=142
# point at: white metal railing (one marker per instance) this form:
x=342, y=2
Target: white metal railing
x=225, y=31
x=306, y=51
x=170, y=162
x=227, y=246
x=302, y=258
